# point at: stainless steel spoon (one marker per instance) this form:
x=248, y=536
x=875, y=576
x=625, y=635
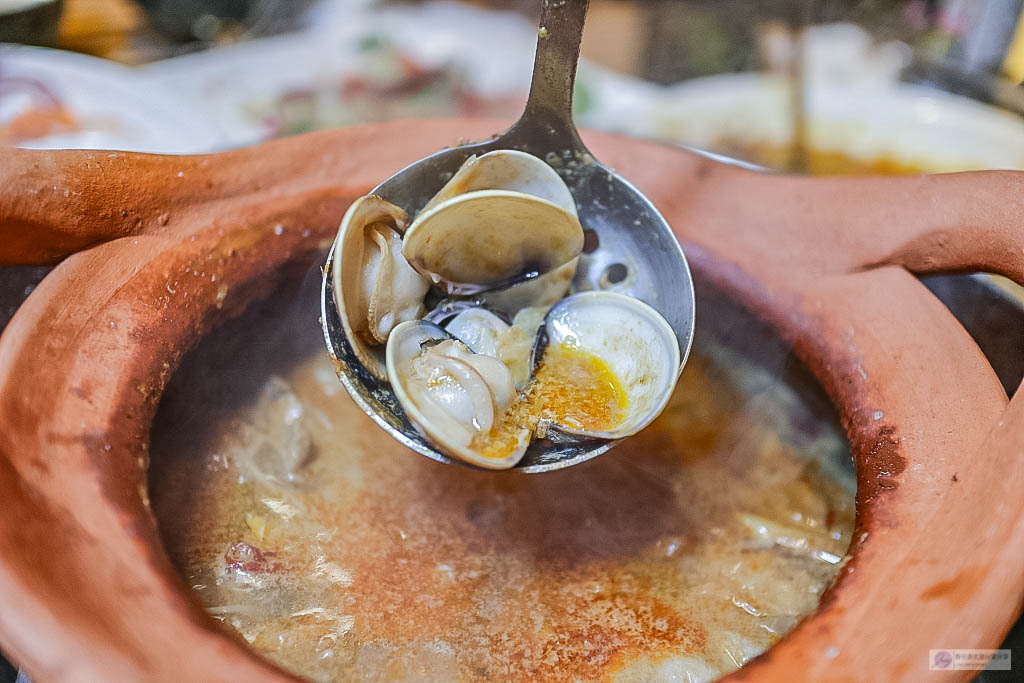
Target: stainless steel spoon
x=636, y=252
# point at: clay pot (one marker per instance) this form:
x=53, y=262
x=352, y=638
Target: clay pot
x=88, y=592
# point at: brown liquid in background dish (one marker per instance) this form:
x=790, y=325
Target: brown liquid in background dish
x=822, y=162
x=339, y=555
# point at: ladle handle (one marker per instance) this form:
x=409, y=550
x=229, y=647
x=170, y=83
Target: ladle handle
x=549, y=107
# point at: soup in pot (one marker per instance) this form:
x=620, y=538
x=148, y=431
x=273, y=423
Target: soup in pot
x=307, y=531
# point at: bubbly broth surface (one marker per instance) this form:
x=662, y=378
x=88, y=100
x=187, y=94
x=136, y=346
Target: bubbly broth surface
x=338, y=555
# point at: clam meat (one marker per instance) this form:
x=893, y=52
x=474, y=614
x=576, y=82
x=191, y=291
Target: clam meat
x=485, y=332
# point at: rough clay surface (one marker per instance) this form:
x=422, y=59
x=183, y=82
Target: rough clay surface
x=173, y=244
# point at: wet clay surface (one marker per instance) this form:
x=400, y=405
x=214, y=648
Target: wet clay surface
x=830, y=263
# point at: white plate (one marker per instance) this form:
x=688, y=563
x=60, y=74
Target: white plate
x=922, y=126
x=114, y=107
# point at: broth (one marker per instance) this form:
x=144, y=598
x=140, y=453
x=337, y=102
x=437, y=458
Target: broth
x=302, y=527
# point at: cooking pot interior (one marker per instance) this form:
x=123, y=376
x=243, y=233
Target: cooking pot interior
x=303, y=529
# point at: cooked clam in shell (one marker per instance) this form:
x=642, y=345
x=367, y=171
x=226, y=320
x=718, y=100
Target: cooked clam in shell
x=503, y=218
x=375, y=287
x=456, y=398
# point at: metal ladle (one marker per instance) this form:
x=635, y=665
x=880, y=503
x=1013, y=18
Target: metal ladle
x=636, y=251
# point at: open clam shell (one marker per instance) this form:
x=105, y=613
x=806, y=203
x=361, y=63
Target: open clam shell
x=503, y=218
x=374, y=286
x=454, y=397
x=628, y=337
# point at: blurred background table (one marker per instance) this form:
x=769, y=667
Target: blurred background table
x=778, y=100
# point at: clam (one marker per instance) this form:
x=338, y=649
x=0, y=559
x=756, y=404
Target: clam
x=607, y=365
x=503, y=218
x=375, y=288
x=455, y=398
x=485, y=332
